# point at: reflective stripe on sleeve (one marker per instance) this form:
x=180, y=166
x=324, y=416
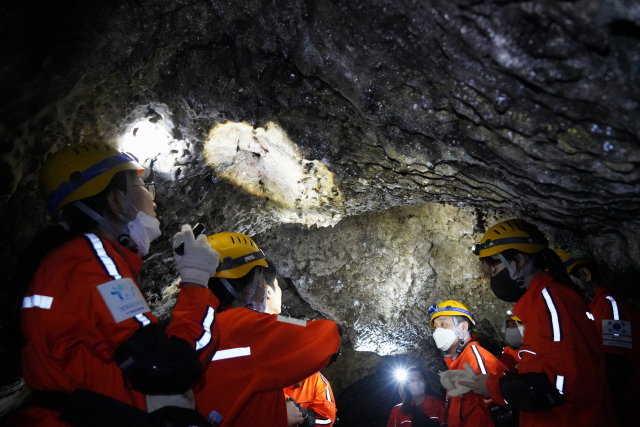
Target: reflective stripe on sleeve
x=144, y=320
x=526, y=351
x=39, y=301
x=553, y=315
x=205, y=338
x=104, y=257
x=326, y=383
x=231, y=353
x=560, y=384
x=614, y=306
x=590, y=316
x=292, y=321
x=323, y=422
x=478, y=359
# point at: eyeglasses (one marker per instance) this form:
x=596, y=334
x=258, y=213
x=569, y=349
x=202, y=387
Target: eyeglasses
x=151, y=188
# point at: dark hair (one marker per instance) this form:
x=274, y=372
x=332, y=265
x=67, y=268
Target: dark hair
x=270, y=274
x=406, y=401
x=46, y=241
x=221, y=292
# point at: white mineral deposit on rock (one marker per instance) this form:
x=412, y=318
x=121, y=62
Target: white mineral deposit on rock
x=266, y=163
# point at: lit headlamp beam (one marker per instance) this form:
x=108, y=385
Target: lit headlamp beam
x=401, y=374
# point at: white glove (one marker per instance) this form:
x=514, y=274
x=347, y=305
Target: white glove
x=199, y=260
x=450, y=380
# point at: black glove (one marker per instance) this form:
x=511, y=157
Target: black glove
x=530, y=392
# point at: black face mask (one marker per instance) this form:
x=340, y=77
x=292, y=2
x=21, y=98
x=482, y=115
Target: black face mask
x=505, y=288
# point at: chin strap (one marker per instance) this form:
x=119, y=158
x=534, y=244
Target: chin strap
x=232, y=291
x=124, y=236
x=97, y=218
x=121, y=236
x=512, y=271
x=248, y=301
x=462, y=339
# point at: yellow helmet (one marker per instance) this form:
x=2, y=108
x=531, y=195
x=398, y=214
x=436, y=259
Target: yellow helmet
x=511, y=234
x=238, y=254
x=450, y=308
x=569, y=261
x=80, y=171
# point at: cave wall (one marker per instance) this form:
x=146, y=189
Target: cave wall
x=527, y=107
x=433, y=120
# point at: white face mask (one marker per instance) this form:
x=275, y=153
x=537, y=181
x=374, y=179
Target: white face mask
x=444, y=338
x=143, y=230
x=416, y=388
x=513, y=336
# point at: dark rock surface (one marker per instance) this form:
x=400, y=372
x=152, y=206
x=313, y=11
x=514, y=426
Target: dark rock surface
x=493, y=108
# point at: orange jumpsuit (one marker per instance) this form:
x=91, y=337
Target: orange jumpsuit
x=471, y=409
x=315, y=393
x=510, y=359
x=560, y=340
x=605, y=306
x=431, y=407
x=258, y=356
x=71, y=335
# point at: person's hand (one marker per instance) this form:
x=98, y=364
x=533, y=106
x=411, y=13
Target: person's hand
x=294, y=416
x=478, y=385
x=199, y=260
x=451, y=380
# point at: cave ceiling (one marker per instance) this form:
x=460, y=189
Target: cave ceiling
x=407, y=126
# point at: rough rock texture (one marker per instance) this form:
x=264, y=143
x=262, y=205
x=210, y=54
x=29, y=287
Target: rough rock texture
x=377, y=273
x=527, y=108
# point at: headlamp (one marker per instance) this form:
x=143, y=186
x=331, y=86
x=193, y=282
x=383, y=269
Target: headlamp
x=475, y=249
x=401, y=374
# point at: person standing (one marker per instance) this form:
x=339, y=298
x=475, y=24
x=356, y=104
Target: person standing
x=259, y=354
x=92, y=352
x=453, y=322
x=314, y=398
x=618, y=325
x=417, y=408
x=561, y=380
x=513, y=333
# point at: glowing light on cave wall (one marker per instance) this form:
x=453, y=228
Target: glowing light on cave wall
x=150, y=142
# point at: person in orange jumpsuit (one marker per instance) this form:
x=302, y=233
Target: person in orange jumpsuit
x=258, y=354
x=92, y=352
x=417, y=408
x=622, y=350
x=453, y=322
x=314, y=397
x=561, y=380
x=513, y=336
